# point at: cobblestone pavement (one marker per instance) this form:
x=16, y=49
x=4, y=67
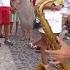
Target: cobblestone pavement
x=18, y=57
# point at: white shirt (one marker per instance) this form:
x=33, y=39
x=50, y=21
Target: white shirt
x=66, y=8
x=5, y=3
x=55, y=20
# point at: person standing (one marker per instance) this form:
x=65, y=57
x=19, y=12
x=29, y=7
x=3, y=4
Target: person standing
x=52, y=9
x=26, y=15
x=5, y=12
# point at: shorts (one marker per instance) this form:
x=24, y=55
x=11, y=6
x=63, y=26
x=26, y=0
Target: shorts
x=5, y=14
x=14, y=17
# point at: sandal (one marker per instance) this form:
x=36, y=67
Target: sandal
x=2, y=36
x=32, y=46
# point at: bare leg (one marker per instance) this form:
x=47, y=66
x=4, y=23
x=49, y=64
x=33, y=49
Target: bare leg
x=0, y=29
x=6, y=30
x=11, y=26
x=22, y=28
x=42, y=42
x=43, y=46
x=29, y=34
x=17, y=24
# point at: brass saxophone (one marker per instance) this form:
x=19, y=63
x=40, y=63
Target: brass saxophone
x=49, y=34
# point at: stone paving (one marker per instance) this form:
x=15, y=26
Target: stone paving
x=17, y=57
x=20, y=56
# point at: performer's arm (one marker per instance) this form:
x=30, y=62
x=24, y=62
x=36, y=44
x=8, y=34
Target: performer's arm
x=61, y=54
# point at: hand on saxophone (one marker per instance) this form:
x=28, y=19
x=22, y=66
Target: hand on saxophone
x=60, y=55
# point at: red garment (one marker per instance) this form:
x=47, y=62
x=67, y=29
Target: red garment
x=5, y=15
x=34, y=1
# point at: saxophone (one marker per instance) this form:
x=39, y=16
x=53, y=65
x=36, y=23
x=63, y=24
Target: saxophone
x=49, y=34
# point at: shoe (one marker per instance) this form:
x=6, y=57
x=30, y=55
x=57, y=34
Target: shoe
x=8, y=42
x=67, y=38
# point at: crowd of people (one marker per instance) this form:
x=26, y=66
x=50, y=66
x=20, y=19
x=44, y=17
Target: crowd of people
x=14, y=10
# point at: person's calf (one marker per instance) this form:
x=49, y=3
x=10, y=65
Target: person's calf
x=6, y=30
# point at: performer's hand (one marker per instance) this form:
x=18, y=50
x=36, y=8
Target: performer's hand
x=61, y=54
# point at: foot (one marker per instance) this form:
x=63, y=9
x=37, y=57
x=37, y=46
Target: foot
x=66, y=38
x=32, y=46
x=2, y=36
x=38, y=50
x=0, y=44
x=8, y=42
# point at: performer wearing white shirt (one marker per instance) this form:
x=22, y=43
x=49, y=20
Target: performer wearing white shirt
x=54, y=18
